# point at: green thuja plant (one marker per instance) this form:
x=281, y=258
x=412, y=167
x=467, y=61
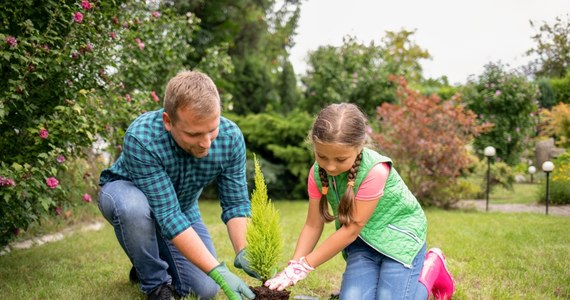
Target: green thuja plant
x=264, y=235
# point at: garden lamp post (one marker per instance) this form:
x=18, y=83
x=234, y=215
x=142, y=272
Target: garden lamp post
x=547, y=167
x=489, y=152
x=531, y=170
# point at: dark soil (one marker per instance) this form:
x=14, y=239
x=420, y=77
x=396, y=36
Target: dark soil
x=264, y=293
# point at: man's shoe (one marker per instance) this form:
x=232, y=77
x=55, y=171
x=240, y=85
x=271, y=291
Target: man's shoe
x=133, y=276
x=163, y=292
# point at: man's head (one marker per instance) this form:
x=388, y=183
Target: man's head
x=192, y=111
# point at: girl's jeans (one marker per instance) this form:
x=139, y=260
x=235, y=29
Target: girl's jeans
x=155, y=258
x=372, y=275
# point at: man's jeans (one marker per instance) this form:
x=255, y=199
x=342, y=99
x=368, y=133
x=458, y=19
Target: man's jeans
x=371, y=275
x=155, y=258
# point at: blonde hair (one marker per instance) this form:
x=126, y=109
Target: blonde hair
x=343, y=124
x=192, y=90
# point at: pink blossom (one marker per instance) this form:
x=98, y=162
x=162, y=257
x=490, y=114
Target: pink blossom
x=60, y=159
x=10, y=40
x=156, y=14
x=89, y=47
x=4, y=181
x=115, y=20
x=58, y=210
x=52, y=182
x=78, y=17
x=113, y=35
x=128, y=97
x=497, y=92
x=86, y=5
x=87, y=198
x=154, y=96
x=43, y=133
x=140, y=43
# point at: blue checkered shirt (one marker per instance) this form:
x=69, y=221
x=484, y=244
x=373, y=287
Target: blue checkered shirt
x=173, y=179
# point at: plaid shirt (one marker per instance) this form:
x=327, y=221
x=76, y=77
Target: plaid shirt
x=173, y=179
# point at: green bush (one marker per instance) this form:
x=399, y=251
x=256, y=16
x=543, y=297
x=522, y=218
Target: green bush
x=508, y=101
x=559, y=182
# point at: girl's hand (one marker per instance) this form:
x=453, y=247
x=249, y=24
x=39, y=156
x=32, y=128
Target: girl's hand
x=295, y=271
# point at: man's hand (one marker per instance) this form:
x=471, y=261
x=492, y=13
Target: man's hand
x=295, y=271
x=233, y=286
x=242, y=263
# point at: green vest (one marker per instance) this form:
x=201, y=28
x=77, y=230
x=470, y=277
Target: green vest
x=398, y=226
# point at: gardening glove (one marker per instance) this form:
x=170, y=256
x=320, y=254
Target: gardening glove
x=232, y=285
x=295, y=271
x=242, y=263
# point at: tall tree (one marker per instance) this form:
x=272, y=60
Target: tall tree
x=552, y=48
x=257, y=36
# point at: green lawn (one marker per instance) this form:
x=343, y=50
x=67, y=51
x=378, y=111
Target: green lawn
x=523, y=193
x=491, y=255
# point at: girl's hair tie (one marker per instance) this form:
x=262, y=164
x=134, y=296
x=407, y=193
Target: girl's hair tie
x=325, y=190
x=350, y=183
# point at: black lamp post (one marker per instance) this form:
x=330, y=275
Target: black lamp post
x=489, y=152
x=547, y=167
x=531, y=170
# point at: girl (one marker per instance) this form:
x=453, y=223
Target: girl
x=381, y=227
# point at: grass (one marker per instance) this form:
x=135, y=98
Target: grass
x=491, y=255
x=522, y=193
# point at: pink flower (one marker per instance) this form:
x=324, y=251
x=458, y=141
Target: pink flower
x=156, y=14
x=60, y=159
x=4, y=181
x=154, y=96
x=52, y=182
x=140, y=43
x=10, y=40
x=86, y=5
x=89, y=47
x=497, y=92
x=128, y=97
x=113, y=35
x=78, y=17
x=87, y=198
x=58, y=210
x=44, y=133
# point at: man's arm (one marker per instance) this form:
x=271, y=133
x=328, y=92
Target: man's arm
x=236, y=230
x=191, y=246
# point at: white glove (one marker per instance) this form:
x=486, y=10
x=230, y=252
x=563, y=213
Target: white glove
x=295, y=271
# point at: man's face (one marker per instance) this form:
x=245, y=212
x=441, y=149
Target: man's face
x=193, y=133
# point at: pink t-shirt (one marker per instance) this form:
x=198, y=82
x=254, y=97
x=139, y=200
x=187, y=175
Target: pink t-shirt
x=371, y=188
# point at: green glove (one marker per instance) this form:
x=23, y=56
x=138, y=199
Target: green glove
x=241, y=263
x=232, y=285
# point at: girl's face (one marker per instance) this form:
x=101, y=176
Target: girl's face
x=335, y=158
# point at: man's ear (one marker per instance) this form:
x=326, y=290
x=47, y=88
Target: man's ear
x=167, y=121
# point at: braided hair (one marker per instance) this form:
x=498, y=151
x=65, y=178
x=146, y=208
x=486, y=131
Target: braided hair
x=343, y=124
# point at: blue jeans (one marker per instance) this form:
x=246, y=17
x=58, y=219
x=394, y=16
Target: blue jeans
x=371, y=275
x=156, y=260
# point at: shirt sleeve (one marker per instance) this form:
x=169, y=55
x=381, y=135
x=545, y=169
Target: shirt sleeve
x=148, y=174
x=313, y=189
x=372, y=187
x=232, y=182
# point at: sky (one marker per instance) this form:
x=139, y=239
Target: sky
x=462, y=36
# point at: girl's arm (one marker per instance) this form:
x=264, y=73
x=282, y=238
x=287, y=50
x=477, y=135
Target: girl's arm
x=311, y=231
x=342, y=237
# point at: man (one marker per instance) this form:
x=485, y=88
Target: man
x=150, y=194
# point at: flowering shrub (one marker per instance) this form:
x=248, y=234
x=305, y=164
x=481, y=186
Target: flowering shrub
x=509, y=102
x=74, y=72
